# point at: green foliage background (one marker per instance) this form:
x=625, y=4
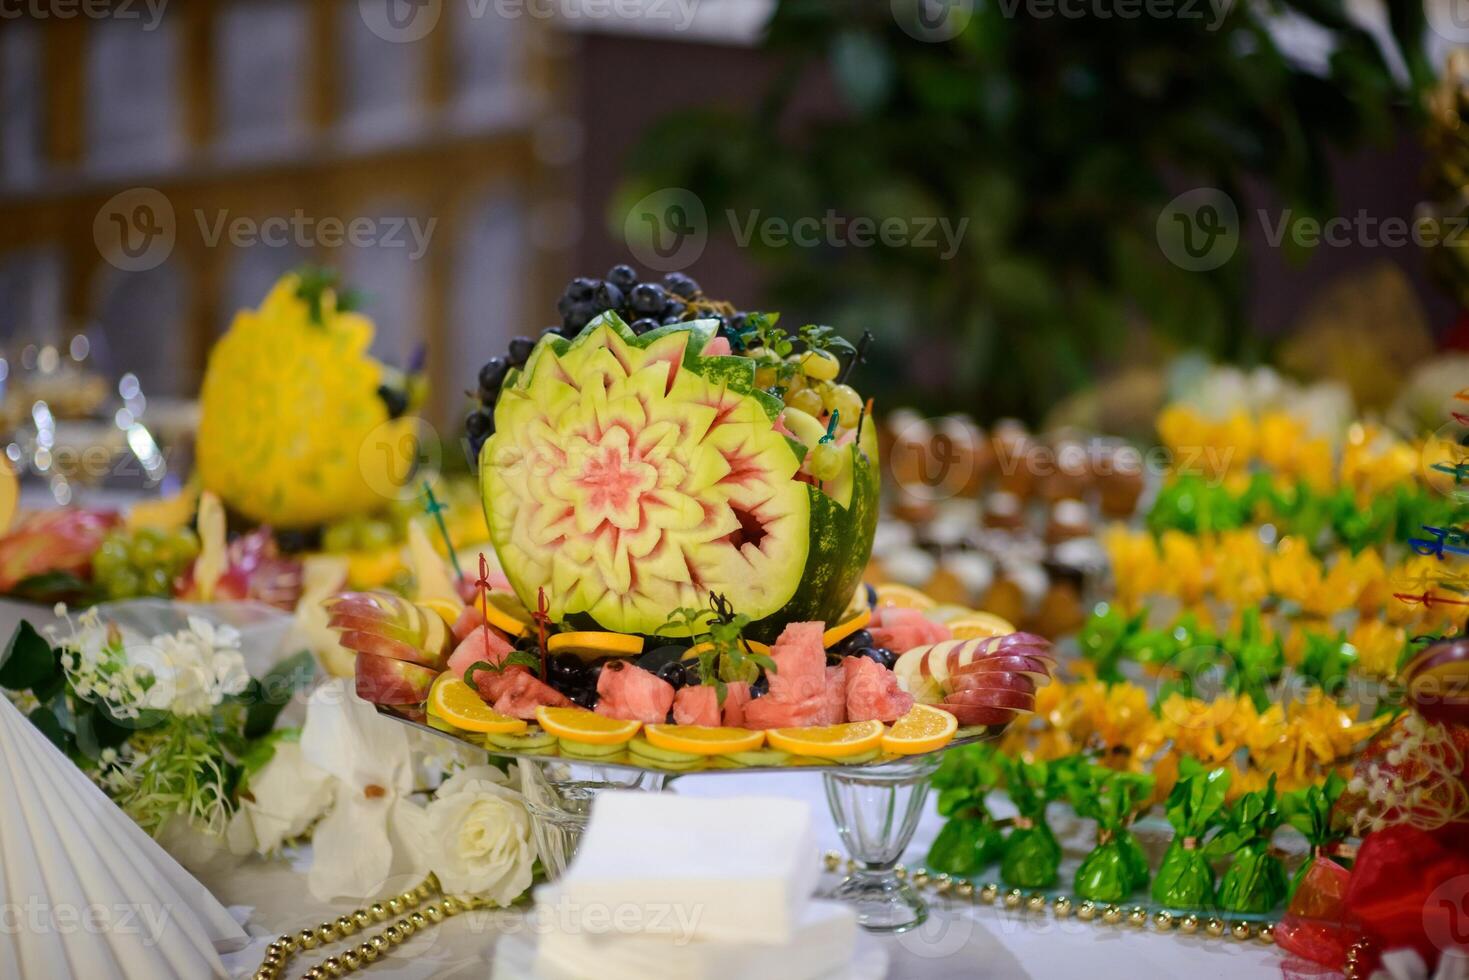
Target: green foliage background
x=1056, y=137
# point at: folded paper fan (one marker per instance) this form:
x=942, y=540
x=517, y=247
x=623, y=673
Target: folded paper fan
x=97, y=896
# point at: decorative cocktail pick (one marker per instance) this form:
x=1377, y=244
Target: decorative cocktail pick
x=436, y=510
x=66, y=850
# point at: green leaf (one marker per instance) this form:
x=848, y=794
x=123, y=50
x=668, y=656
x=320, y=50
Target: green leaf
x=275, y=690
x=45, y=719
x=50, y=587
x=28, y=662
x=95, y=730
x=259, y=752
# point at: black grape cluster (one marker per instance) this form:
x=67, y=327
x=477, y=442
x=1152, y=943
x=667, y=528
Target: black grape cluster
x=642, y=305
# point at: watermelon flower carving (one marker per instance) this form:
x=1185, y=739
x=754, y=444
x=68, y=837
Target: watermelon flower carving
x=631, y=476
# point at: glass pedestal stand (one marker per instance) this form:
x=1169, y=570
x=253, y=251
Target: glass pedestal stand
x=559, y=795
x=876, y=812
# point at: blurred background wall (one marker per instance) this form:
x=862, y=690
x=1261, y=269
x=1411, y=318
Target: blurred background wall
x=502, y=131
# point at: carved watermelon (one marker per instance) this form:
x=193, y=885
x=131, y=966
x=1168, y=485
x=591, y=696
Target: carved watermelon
x=631, y=476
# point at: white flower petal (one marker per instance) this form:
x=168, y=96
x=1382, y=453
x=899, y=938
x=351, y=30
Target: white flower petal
x=351, y=853
x=287, y=796
x=346, y=737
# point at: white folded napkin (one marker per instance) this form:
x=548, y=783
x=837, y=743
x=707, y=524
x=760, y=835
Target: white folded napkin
x=821, y=943
x=735, y=870
x=97, y=897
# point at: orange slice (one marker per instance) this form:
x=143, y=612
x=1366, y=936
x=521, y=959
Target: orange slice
x=895, y=594
x=980, y=625
x=846, y=628
x=693, y=652
x=445, y=609
x=829, y=741
x=922, y=729
x=453, y=701
x=591, y=645
x=702, y=740
x=581, y=725
x=506, y=613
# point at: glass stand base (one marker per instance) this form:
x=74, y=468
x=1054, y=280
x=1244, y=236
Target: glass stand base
x=559, y=795
x=876, y=812
x=882, y=902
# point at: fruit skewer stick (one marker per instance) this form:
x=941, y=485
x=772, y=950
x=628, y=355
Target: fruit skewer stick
x=436, y=510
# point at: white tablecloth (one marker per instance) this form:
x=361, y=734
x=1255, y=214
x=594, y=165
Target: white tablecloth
x=959, y=940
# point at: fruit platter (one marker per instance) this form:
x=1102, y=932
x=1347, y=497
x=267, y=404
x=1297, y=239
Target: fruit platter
x=681, y=503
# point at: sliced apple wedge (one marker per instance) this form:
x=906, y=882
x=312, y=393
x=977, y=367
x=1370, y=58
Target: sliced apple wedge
x=382, y=680
x=1017, y=701
x=994, y=680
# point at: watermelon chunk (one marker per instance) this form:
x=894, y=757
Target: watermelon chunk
x=800, y=663
x=631, y=693
x=697, y=705
x=470, y=619
x=769, y=712
x=486, y=645
x=519, y=693
x=900, y=630
x=872, y=692
x=834, y=696
x=736, y=696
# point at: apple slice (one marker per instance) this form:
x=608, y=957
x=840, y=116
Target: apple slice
x=913, y=677
x=994, y=680
x=1037, y=669
x=382, y=680
x=387, y=625
x=969, y=714
x=1018, y=701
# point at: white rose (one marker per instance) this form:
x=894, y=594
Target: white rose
x=476, y=837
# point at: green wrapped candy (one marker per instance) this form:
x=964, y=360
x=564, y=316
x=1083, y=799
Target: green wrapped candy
x=1185, y=880
x=970, y=840
x=1116, y=867
x=1032, y=857
x=1256, y=880
x=965, y=847
x=1309, y=811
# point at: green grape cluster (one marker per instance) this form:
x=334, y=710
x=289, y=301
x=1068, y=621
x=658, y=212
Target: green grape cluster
x=143, y=562
x=360, y=534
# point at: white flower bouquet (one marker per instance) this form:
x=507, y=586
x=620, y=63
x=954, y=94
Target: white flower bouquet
x=166, y=722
